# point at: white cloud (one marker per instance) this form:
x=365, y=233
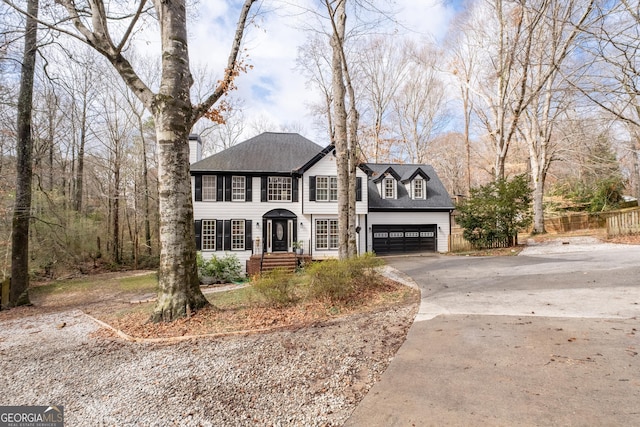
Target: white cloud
x=273, y=89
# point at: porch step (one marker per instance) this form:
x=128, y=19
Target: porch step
x=284, y=260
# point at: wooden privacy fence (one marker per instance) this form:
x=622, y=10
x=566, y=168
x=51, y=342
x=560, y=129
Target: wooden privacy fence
x=623, y=223
x=457, y=243
x=574, y=221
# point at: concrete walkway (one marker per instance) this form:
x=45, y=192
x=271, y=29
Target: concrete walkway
x=545, y=338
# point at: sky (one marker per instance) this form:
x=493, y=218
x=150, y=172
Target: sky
x=273, y=89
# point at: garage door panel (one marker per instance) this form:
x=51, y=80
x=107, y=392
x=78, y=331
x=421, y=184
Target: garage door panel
x=394, y=238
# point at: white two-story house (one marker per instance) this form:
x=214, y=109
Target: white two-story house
x=278, y=191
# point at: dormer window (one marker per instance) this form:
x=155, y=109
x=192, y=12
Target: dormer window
x=389, y=188
x=418, y=188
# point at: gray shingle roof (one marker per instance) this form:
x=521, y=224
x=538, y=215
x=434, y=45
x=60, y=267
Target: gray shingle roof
x=437, y=195
x=267, y=152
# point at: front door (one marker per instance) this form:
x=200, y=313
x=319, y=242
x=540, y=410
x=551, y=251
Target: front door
x=279, y=235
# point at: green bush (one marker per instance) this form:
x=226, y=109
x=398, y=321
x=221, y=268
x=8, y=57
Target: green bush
x=224, y=269
x=338, y=280
x=496, y=212
x=607, y=195
x=277, y=287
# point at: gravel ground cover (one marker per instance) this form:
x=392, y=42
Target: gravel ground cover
x=310, y=376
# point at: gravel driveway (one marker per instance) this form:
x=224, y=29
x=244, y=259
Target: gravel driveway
x=306, y=377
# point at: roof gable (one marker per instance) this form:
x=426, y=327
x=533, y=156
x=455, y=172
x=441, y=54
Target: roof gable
x=315, y=159
x=387, y=172
x=268, y=152
x=437, y=196
x=417, y=172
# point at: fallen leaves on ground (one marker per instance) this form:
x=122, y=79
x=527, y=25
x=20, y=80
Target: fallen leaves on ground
x=212, y=320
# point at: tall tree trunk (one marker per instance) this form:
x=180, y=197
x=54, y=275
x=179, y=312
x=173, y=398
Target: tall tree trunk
x=145, y=183
x=174, y=116
x=22, y=210
x=147, y=210
x=354, y=118
x=178, y=274
x=538, y=176
x=77, y=197
x=116, y=205
x=467, y=140
x=341, y=138
x=635, y=149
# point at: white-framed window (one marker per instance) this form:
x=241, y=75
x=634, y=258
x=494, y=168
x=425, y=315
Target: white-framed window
x=279, y=188
x=237, y=188
x=418, y=188
x=237, y=234
x=208, y=234
x=327, y=234
x=389, y=188
x=209, y=188
x=326, y=188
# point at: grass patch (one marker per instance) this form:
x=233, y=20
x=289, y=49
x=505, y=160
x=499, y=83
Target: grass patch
x=143, y=283
x=326, y=290
x=61, y=287
x=232, y=300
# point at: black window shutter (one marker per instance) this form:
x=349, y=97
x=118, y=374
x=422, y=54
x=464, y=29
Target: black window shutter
x=198, y=188
x=263, y=189
x=248, y=189
x=219, y=226
x=294, y=189
x=227, y=235
x=198, y=229
x=312, y=188
x=295, y=231
x=358, y=189
x=227, y=188
x=247, y=235
x=219, y=187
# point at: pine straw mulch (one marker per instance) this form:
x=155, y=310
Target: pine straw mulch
x=253, y=317
x=632, y=239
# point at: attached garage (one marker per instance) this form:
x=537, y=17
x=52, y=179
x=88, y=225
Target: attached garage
x=404, y=238
x=409, y=210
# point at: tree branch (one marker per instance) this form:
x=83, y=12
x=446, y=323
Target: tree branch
x=134, y=20
x=231, y=71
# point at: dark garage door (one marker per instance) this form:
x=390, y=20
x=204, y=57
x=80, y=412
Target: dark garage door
x=388, y=239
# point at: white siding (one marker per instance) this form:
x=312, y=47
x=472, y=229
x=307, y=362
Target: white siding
x=254, y=211
x=333, y=253
x=441, y=219
x=327, y=167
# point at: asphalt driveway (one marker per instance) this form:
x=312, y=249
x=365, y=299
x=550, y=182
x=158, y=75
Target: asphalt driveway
x=548, y=337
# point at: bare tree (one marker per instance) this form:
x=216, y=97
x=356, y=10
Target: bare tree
x=504, y=34
x=444, y=154
x=552, y=42
x=313, y=60
x=345, y=119
x=610, y=78
x=109, y=32
x=384, y=68
x=420, y=106
x=78, y=80
x=462, y=65
x=22, y=209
